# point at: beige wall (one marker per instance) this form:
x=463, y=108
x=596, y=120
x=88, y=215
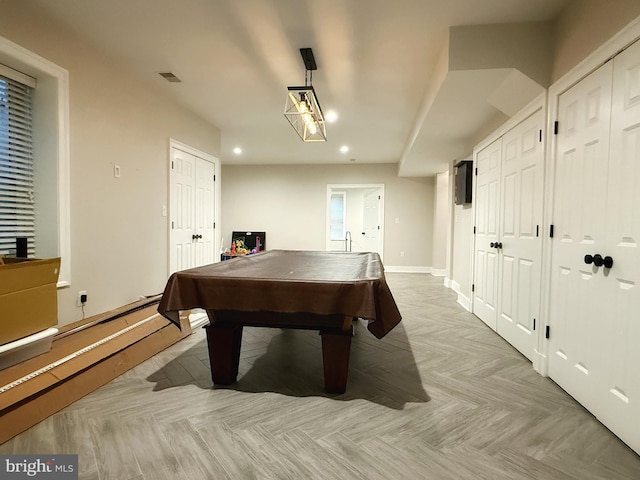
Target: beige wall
x=462, y=248
x=289, y=204
x=440, y=221
x=584, y=26
x=118, y=236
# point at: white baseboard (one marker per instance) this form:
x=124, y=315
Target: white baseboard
x=463, y=300
x=540, y=363
x=439, y=272
x=407, y=269
x=198, y=318
x=447, y=282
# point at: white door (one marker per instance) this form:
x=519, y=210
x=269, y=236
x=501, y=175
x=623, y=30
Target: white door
x=370, y=221
x=621, y=407
x=521, y=246
x=182, y=210
x=579, y=228
x=192, y=239
x=485, y=300
x=204, y=213
x=594, y=326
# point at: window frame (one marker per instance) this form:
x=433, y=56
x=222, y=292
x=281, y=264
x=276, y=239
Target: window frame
x=51, y=105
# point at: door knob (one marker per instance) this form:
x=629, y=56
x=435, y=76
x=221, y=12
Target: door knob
x=498, y=245
x=598, y=261
x=492, y=245
x=194, y=237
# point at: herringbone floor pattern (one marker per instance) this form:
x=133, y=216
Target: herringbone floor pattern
x=441, y=397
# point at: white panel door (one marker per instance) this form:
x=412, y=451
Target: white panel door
x=620, y=320
x=192, y=207
x=577, y=304
x=182, y=210
x=485, y=302
x=521, y=215
x=204, y=213
x=371, y=221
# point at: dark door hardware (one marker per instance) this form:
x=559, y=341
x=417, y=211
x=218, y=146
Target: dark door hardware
x=196, y=237
x=598, y=261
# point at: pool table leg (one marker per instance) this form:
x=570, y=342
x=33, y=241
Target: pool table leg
x=336, y=347
x=224, y=352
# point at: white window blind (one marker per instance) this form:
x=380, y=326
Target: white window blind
x=16, y=166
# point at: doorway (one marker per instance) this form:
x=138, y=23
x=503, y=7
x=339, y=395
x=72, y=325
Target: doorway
x=355, y=218
x=194, y=206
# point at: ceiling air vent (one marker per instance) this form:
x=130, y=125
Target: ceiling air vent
x=170, y=77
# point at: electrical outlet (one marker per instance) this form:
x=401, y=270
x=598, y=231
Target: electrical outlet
x=402, y=253
x=82, y=298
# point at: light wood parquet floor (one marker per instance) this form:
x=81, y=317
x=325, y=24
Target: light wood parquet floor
x=440, y=397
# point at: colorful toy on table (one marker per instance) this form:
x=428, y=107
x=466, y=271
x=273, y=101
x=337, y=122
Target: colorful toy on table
x=239, y=248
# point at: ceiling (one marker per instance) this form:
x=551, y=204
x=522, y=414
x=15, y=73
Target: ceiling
x=380, y=67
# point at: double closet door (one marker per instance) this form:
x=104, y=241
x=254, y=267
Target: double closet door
x=192, y=209
x=508, y=244
x=594, y=302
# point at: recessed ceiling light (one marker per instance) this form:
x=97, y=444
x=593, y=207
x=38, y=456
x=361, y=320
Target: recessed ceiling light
x=237, y=150
x=331, y=116
x=344, y=149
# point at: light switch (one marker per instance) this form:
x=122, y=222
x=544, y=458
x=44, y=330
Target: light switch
x=116, y=171
x=164, y=210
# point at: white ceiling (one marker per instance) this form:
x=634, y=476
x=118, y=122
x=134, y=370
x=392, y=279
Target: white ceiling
x=376, y=65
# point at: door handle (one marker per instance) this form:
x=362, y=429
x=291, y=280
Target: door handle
x=195, y=237
x=598, y=261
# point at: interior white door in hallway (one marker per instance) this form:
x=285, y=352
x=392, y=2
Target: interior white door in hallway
x=594, y=317
x=508, y=247
x=192, y=211
x=485, y=301
x=363, y=218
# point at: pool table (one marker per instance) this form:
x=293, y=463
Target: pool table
x=322, y=291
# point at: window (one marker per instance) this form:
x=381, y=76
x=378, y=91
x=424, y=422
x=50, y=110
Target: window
x=16, y=163
x=50, y=144
x=337, y=216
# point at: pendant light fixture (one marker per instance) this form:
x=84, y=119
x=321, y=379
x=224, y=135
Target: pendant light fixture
x=302, y=108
